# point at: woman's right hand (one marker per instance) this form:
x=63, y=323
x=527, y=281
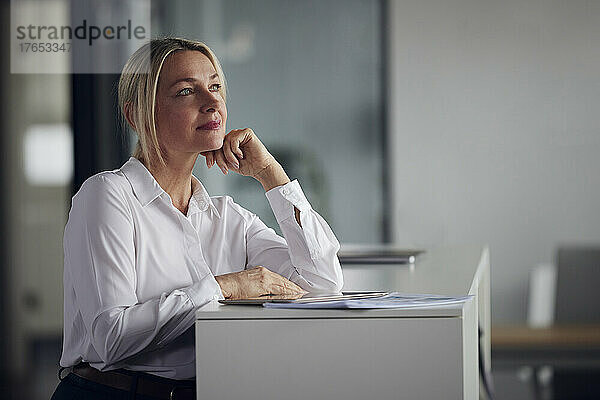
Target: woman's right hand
x=255, y=282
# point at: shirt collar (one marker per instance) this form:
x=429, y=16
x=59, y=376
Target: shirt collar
x=202, y=198
x=146, y=188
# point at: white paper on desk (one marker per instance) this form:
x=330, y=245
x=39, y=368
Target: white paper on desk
x=392, y=300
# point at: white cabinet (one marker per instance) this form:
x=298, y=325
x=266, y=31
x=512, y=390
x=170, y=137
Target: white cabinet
x=255, y=353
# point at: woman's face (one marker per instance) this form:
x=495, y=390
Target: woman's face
x=190, y=112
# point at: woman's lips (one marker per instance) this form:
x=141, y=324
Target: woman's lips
x=211, y=126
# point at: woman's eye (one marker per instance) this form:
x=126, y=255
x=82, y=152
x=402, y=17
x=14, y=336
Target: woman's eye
x=215, y=87
x=184, y=92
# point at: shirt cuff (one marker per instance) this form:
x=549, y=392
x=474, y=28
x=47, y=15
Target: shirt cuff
x=208, y=289
x=284, y=198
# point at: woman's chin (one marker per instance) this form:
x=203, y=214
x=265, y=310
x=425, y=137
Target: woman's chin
x=213, y=144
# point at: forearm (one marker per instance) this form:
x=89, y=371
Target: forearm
x=272, y=176
x=309, y=250
x=313, y=254
x=292, y=257
x=123, y=331
x=120, y=333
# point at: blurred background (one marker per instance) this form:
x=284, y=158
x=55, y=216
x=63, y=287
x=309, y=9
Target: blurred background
x=417, y=123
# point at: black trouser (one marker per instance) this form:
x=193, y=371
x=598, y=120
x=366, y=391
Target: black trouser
x=73, y=387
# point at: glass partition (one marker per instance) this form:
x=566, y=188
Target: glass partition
x=306, y=77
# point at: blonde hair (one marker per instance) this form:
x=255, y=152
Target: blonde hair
x=138, y=85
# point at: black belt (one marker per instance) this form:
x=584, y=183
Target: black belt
x=184, y=390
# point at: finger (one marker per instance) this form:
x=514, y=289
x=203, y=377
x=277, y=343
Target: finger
x=231, y=159
x=289, y=290
x=289, y=285
x=277, y=284
x=235, y=147
x=210, y=158
x=221, y=162
x=248, y=135
x=278, y=289
x=286, y=284
x=297, y=289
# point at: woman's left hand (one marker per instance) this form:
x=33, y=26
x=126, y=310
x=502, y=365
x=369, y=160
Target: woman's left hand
x=242, y=152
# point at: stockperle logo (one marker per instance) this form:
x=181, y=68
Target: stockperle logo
x=76, y=36
x=82, y=32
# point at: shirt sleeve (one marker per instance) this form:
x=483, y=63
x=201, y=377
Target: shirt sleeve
x=99, y=245
x=306, y=255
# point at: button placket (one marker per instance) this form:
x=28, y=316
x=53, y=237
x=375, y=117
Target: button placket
x=194, y=249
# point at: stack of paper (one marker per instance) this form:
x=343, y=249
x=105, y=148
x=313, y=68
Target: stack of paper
x=392, y=300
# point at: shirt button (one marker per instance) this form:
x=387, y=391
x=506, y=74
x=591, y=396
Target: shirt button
x=203, y=205
x=285, y=191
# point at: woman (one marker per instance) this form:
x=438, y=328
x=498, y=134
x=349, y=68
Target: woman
x=145, y=245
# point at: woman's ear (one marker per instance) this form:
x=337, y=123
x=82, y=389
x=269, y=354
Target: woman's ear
x=128, y=111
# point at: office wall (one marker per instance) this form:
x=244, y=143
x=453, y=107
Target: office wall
x=495, y=121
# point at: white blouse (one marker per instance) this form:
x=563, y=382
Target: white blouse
x=136, y=268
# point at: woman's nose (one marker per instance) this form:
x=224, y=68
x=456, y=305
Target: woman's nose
x=211, y=102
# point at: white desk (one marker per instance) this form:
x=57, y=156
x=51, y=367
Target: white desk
x=249, y=352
